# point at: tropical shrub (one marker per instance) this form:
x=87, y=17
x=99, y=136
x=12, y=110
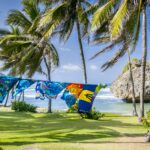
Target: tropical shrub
x=146, y=123
x=148, y=114
x=95, y=115
x=20, y=106
x=73, y=109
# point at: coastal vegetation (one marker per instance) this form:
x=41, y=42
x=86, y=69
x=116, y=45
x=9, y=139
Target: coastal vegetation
x=21, y=106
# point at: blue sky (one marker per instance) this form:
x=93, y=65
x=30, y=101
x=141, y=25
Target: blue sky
x=70, y=62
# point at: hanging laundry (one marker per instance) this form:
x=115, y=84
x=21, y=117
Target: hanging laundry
x=22, y=85
x=87, y=97
x=72, y=93
x=49, y=89
x=6, y=84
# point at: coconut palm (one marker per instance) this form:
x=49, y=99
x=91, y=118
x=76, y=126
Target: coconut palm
x=117, y=13
x=101, y=36
x=22, y=53
x=62, y=18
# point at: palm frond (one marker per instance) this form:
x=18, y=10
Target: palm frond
x=9, y=38
x=100, y=40
x=83, y=20
x=121, y=15
x=102, y=15
x=121, y=52
x=136, y=35
x=31, y=8
x=66, y=29
x=103, y=50
x=17, y=18
x=55, y=56
x=52, y=18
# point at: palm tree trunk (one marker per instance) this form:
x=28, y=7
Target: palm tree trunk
x=81, y=51
x=144, y=57
x=5, y=105
x=23, y=96
x=132, y=86
x=48, y=67
x=49, y=100
x=19, y=98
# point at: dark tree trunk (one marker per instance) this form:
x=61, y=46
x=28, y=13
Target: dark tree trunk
x=134, y=113
x=48, y=67
x=7, y=98
x=23, y=96
x=19, y=98
x=50, y=100
x=144, y=57
x=81, y=52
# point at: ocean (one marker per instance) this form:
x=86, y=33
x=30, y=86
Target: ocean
x=104, y=102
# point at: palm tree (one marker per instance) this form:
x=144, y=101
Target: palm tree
x=62, y=18
x=118, y=13
x=123, y=44
x=144, y=58
x=132, y=84
x=19, y=51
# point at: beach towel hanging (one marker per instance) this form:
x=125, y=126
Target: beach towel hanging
x=49, y=89
x=6, y=84
x=87, y=97
x=22, y=85
x=72, y=93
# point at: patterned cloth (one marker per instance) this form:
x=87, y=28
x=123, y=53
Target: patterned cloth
x=87, y=97
x=6, y=84
x=72, y=93
x=21, y=86
x=49, y=89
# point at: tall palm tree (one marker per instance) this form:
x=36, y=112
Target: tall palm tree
x=123, y=44
x=117, y=13
x=62, y=18
x=19, y=51
x=144, y=58
x=132, y=84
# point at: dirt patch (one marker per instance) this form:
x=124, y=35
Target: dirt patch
x=131, y=140
x=30, y=148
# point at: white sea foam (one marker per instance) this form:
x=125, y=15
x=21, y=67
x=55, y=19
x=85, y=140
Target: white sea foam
x=106, y=94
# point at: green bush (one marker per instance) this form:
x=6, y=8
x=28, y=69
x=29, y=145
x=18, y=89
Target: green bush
x=146, y=121
x=73, y=109
x=148, y=114
x=94, y=115
x=23, y=106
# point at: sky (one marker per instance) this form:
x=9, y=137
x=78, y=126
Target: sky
x=69, y=54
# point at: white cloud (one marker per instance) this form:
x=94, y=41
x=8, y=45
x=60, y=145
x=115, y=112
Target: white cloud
x=93, y=67
x=70, y=67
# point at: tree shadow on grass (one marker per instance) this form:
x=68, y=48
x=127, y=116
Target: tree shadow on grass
x=69, y=128
x=68, y=138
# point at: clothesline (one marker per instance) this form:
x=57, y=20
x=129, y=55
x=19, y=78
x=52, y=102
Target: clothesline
x=84, y=94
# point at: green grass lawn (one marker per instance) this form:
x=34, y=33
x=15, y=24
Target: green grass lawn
x=64, y=131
